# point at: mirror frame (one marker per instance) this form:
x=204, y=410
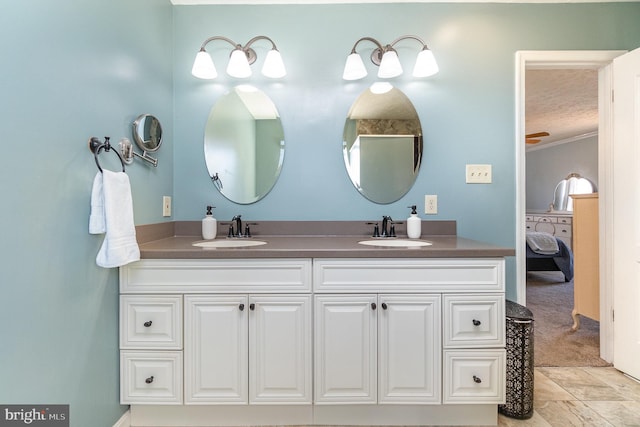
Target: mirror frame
x=139, y=129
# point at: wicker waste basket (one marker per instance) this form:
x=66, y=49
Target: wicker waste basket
x=519, y=389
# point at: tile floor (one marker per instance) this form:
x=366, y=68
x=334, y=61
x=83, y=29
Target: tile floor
x=582, y=397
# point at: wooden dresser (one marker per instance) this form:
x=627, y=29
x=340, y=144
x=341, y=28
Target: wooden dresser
x=555, y=223
x=586, y=279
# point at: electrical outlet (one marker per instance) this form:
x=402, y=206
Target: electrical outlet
x=430, y=204
x=478, y=174
x=166, y=205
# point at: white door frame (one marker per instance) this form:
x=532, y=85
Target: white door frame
x=572, y=60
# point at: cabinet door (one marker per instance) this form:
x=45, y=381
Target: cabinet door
x=216, y=349
x=345, y=349
x=280, y=349
x=409, y=349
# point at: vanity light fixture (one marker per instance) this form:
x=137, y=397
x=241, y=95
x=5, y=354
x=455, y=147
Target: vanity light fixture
x=386, y=58
x=240, y=60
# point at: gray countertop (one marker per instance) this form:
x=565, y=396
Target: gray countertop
x=180, y=247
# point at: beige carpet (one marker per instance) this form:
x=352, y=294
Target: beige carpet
x=550, y=299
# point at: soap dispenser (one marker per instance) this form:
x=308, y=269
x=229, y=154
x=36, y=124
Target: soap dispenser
x=414, y=224
x=209, y=225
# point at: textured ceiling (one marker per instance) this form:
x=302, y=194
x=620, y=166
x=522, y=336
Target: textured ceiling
x=562, y=102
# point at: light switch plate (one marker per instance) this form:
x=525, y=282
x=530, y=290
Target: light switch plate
x=479, y=174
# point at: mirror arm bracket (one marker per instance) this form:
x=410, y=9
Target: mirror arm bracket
x=128, y=153
x=147, y=158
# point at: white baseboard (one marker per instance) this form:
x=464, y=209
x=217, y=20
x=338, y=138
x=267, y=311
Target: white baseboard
x=124, y=421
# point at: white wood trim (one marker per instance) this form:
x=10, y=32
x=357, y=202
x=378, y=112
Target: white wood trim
x=370, y=415
x=605, y=188
x=569, y=59
x=125, y=420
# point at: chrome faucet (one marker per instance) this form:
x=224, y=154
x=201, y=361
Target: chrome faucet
x=385, y=221
x=238, y=225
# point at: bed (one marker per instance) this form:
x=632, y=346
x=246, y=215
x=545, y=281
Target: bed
x=559, y=261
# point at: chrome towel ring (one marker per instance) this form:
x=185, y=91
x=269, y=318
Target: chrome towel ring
x=95, y=145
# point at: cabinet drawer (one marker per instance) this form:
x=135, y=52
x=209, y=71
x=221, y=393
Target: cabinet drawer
x=551, y=219
x=474, y=376
x=183, y=276
x=150, y=322
x=474, y=321
x=565, y=220
x=153, y=377
x=408, y=275
x=563, y=230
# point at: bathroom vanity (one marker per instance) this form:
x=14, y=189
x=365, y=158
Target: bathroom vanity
x=313, y=329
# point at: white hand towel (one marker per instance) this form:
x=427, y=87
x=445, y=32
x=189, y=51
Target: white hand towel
x=119, y=246
x=96, y=218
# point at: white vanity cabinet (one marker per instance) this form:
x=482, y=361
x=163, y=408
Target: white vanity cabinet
x=243, y=349
x=328, y=341
x=247, y=332
x=469, y=364
x=377, y=349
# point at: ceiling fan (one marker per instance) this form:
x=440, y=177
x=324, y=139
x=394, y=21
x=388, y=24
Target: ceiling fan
x=534, y=138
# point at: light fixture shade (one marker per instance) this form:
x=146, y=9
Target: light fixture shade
x=354, y=68
x=425, y=64
x=238, y=64
x=273, y=66
x=390, y=65
x=203, y=67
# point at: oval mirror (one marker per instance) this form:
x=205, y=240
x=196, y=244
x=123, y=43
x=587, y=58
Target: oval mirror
x=572, y=184
x=147, y=132
x=382, y=144
x=244, y=144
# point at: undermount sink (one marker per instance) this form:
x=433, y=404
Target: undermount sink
x=229, y=243
x=395, y=243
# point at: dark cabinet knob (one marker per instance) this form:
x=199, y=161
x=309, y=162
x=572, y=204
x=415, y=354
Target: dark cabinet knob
x=147, y=323
x=252, y=306
x=384, y=306
x=476, y=322
x=476, y=380
x=149, y=380
x=373, y=306
x=241, y=307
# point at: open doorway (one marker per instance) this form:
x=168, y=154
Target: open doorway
x=561, y=140
x=541, y=60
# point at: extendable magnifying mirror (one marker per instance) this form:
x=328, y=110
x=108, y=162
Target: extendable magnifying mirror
x=147, y=133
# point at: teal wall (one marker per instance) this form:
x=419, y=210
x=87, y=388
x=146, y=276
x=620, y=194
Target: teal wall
x=76, y=68
x=71, y=69
x=467, y=110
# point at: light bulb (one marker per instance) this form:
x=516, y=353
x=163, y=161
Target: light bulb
x=390, y=65
x=425, y=64
x=238, y=64
x=273, y=66
x=203, y=67
x=354, y=68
